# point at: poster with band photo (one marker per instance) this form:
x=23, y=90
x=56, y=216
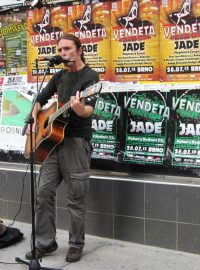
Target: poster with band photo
x=135, y=40
x=91, y=24
x=44, y=27
x=180, y=40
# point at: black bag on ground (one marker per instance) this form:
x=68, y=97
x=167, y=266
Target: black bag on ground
x=2, y=228
x=10, y=236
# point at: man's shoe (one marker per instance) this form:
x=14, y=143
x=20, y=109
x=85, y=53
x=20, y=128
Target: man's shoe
x=73, y=254
x=41, y=251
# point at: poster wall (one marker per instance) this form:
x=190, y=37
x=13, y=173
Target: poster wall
x=135, y=40
x=179, y=40
x=44, y=27
x=121, y=42
x=144, y=117
x=91, y=24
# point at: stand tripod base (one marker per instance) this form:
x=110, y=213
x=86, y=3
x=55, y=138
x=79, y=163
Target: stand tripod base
x=34, y=264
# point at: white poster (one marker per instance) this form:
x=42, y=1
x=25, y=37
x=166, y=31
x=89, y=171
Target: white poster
x=16, y=100
x=5, y=3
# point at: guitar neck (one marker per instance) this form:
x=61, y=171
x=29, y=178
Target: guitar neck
x=60, y=111
x=90, y=91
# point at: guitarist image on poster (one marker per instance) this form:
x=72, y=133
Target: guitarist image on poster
x=86, y=21
x=131, y=16
x=45, y=22
x=69, y=161
x=131, y=19
x=183, y=16
x=44, y=26
x=133, y=13
x=86, y=18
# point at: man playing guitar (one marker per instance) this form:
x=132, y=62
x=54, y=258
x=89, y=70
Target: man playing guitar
x=70, y=160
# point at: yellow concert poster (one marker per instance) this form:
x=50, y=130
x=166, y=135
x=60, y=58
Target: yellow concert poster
x=91, y=23
x=44, y=27
x=135, y=40
x=180, y=40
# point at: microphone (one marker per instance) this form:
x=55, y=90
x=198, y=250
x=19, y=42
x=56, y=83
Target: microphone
x=56, y=59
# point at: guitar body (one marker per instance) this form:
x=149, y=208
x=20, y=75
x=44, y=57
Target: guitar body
x=50, y=127
x=46, y=136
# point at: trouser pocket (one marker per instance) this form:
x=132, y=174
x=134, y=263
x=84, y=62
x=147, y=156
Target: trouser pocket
x=78, y=185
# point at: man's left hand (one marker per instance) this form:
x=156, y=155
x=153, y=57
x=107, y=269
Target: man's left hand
x=78, y=105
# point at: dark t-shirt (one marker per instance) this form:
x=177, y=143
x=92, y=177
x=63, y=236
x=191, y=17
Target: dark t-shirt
x=63, y=83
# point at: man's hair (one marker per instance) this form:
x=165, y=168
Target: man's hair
x=76, y=41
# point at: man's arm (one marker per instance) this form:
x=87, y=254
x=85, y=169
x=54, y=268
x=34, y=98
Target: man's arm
x=79, y=106
x=84, y=107
x=35, y=112
x=42, y=99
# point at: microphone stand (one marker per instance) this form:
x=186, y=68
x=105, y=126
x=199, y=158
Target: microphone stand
x=34, y=263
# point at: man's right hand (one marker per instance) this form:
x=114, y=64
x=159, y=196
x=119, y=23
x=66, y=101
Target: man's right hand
x=36, y=110
x=28, y=131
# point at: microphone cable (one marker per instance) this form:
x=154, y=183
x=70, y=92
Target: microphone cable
x=21, y=198
x=18, y=212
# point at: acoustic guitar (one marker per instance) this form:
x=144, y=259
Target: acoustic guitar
x=51, y=124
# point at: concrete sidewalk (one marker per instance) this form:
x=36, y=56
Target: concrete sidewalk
x=101, y=254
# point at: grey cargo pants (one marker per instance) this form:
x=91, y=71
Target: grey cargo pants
x=70, y=161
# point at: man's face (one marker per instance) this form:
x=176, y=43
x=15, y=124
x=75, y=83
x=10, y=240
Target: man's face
x=68, y=50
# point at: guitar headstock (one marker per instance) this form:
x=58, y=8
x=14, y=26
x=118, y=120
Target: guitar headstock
x=91, y=90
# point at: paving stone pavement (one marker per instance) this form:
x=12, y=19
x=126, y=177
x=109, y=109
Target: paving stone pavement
x=101, y=254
